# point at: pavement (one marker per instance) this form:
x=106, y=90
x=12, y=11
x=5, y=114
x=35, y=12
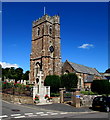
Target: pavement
x=61, y=107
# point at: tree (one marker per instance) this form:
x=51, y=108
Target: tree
x=101, y=86
x=69, y=81
x=19, y=74
x=12, y=73
x=108, y=70
x=26, y=75
x=54, y=82
x=6, y=72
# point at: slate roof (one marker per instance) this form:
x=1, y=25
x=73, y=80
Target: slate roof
x=84, y=69
x=89, y=78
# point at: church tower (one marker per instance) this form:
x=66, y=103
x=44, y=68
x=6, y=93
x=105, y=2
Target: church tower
x=45, y=54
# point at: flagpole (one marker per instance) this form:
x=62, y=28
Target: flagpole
x=44, y=10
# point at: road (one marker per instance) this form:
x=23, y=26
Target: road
x=14, y=111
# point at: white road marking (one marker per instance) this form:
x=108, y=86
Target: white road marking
x=28, y=113
x=54, y=113
x=39, y=112
x=44, y=114
x=49, y=112
x=20, y=117
x=3, y=116
x=63, y=113
x=32, y=115
x=15, y=114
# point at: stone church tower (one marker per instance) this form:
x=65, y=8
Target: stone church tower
x=45, y=54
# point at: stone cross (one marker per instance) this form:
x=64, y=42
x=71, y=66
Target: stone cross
x=40, y=75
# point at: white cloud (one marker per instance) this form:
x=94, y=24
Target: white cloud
x=86, y=46
x=8, y=65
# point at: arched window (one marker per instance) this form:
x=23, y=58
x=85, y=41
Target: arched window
x=37, y=80
x=50, y=29
x=66, y=72
x=37, y=68
x=38, y=31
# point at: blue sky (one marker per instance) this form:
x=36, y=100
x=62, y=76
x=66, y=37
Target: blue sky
x=84, y=32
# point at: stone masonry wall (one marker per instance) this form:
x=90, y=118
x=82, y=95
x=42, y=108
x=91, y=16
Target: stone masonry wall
x=65, y=67
x=24, y=99
x=17, y=99
x=86, y=100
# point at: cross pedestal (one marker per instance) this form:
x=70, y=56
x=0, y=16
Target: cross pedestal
x=41, y=90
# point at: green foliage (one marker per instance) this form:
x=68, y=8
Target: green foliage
x=6, y=85
x=11, y=73
x=36, y=98
x=19, y=74
x=26, y=75
x=16, y=88
x=54, y=94
x=54, y=82
x=5, y=73
x=101, y=86
x=108, y=70
x=69, y=81
x=88, y=93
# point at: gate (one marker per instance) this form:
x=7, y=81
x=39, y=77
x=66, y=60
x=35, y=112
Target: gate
x=70, y=97
x=67, y=96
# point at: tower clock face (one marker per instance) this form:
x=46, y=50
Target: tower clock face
x=51, y=49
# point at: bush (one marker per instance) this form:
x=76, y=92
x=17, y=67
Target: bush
x=88, y=93
x=16, y=88
x=54, y=82
x=101, y=86
x=54, y=94
x=69, y=81
x=6, y=85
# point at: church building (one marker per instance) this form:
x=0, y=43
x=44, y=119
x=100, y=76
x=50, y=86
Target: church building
x=46, y=54
x=85, y=74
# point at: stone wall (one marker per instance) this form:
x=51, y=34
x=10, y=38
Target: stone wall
x=86, y=100
x=66, y=67
x=56, y=99
x=24, y=99
x=17, y=99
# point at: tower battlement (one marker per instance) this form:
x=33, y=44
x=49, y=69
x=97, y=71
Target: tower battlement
x=47, y=18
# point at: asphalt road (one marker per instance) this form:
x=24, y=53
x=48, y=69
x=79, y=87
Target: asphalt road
x=17, y=111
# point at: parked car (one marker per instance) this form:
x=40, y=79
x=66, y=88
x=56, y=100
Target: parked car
x=101, y=103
